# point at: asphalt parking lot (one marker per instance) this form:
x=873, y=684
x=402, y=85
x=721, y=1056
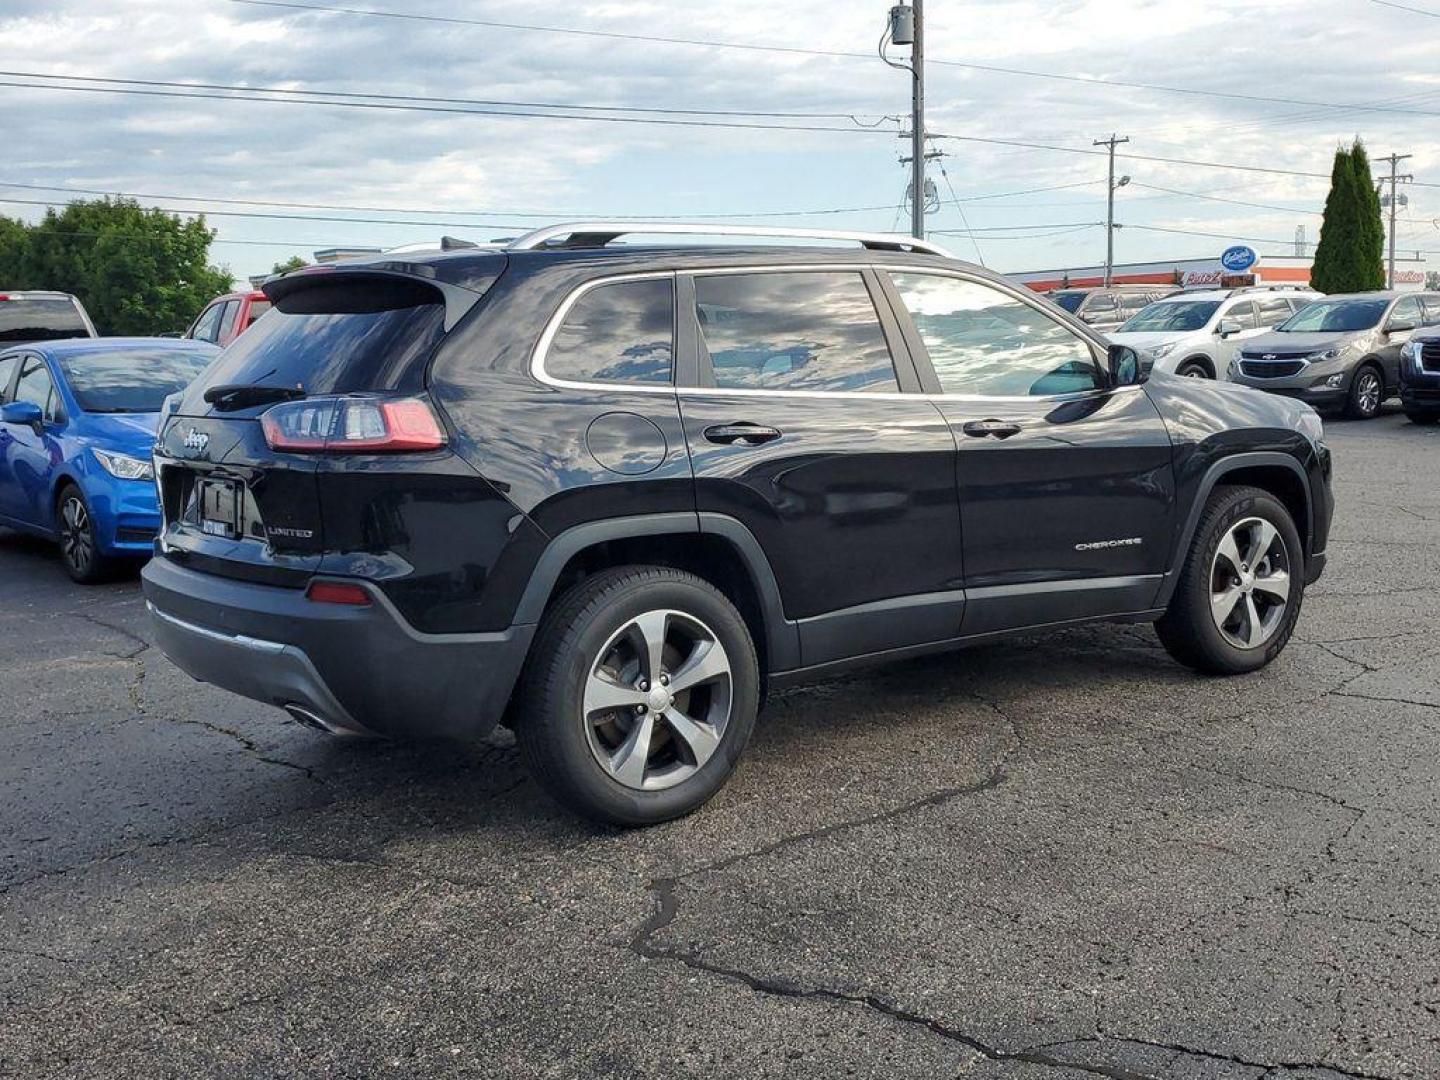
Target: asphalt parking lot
x=1060, y=857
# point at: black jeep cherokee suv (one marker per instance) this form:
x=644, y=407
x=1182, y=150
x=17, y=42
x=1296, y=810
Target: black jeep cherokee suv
x=608, y=494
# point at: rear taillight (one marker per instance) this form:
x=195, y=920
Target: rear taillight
x=353, y=425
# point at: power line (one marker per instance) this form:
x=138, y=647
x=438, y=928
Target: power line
x=549, y=215
x=479, y=102
x=836, y=53
x=1221, y=199
x=1407, y=7
x=255, y=94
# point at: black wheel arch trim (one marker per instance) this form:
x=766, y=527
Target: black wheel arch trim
x=1213, y=476
x=782, y=635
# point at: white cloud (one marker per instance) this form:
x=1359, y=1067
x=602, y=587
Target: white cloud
x=1328, y=50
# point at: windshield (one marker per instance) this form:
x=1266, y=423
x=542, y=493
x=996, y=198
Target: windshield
x=131, y=380
x=40, y=320
x=1334, y=316
x=1174, y=316
x=1070, y=301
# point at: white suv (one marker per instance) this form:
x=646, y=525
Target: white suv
x=1197, y=334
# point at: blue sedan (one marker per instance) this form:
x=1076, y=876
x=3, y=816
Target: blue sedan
x=77, y=424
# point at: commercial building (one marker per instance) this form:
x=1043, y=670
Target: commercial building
x=1206, y=273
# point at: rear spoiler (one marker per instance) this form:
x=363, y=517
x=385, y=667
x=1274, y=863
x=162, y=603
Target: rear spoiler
x=458, y=299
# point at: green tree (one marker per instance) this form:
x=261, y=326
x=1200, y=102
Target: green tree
x=12, y=253
x=1347, y=258
x=295, y=262
x=1373, y=252
x=137, y=271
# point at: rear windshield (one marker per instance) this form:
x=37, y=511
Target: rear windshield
x=1173, y=316
x=1335, y=316
x=339, y=338
x=131, y=380
x=40, y=320
x=1070, y=301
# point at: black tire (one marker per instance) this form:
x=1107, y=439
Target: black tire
x=1359, y=402
x=75, y=527
x=1424, y=419
x=1194, y=369
x=1187, y=629
x=553, y=733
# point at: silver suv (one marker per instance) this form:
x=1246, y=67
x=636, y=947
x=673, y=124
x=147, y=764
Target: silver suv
x=1106, y=308
x=1340, y=352
x=1197, y=334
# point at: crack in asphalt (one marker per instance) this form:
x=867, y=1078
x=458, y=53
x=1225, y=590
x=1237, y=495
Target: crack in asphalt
x=122, y=631
x=666, y=893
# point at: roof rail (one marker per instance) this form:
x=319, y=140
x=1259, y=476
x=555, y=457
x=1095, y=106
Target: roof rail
x=594, y=234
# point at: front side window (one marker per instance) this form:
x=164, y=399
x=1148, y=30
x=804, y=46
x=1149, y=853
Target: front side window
x=1335, y=316
x=793, y=331
x=207, y=327
x=36, y=386
x=7, y=369
x=1070, y=301
x=623, y=332
x=984, y=342
x=1100, y=304
x=1407, y=313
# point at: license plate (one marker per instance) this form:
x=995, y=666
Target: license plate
x=220, y=508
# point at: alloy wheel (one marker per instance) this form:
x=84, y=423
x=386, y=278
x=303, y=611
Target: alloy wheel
x=77, y=545
x=1367, y=392
x=1250, y=583
x=657, y=700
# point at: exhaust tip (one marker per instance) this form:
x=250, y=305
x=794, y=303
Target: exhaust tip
x=302, y=715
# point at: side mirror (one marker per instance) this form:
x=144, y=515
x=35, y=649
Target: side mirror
x=1126, y=368
x=1228, y=327
x=22, y=412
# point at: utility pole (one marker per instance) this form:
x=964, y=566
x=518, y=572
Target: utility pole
x=907, y=27
x=917, y=124
x=1394, y=179
x=1111, y=143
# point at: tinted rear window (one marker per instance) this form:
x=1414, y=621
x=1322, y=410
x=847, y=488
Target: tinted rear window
x=131, y=380
x=40, y=320
x=339, y=338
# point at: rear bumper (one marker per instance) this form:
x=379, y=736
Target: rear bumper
x=359, y=670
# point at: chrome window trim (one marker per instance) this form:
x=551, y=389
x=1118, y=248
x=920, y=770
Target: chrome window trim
x=542, y=346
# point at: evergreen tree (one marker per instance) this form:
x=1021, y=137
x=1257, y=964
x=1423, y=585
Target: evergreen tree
x=1348, y=257
x=1373, y=253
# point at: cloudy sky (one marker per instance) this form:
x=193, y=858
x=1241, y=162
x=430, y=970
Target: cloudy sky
x=1346, y=68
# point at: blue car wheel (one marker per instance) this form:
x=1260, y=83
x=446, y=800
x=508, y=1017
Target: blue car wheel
x=79, y=551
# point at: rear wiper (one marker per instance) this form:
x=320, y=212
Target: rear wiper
x=239, y=396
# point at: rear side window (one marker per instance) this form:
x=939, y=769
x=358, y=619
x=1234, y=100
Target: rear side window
x=227, y=321
x=339, y=338
x=793, y=331
x=257, y=308
x=1274, y=310
x=622, y=332
x=40, y=320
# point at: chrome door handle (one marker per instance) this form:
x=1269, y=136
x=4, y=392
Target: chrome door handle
x=996, y=429
x=742, y=432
